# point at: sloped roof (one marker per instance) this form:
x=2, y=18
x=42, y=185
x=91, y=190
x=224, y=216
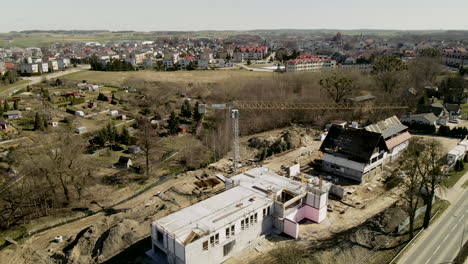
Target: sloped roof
x=354, y=144
x=362, y=98
x=428, y=116
x=452, y=107
x=124, y=159
x=395, y=141
x=387, y=127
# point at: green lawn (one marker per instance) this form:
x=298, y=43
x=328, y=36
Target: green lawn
x=464, y=110
x=3, y=87
x=454, y=176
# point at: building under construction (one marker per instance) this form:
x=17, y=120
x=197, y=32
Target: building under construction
x=255, y=203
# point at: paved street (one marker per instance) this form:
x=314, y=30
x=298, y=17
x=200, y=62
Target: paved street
x=441, y=242
x=37, y=79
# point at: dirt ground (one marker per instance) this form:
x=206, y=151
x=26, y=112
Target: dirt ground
x=99, y=237
x=117, y=78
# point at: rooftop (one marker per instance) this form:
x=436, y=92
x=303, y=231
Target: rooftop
x=354, y=144
x=387, y=127
x=254, y=191
x=213, y=213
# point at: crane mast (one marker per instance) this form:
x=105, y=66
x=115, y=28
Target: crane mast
x=266, y=105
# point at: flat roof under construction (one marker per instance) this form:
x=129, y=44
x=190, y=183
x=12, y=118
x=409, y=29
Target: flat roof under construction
x=213, y=213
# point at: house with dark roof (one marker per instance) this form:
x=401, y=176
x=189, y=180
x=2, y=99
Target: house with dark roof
x=395, y=134
x=425, y=118
x=353, y=153
x=124, y=162
x=453, y=109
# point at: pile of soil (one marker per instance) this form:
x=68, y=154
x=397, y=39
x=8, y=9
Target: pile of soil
x=357, y=243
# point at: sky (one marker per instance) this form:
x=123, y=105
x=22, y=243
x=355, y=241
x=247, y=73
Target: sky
x=158, y=15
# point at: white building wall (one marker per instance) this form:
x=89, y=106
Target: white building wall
x=243, y=239
x=193, y=253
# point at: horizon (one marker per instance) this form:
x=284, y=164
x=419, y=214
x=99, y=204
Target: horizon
x=232, y=30
x=243, y=15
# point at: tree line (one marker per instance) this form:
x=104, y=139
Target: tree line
x=111, y=65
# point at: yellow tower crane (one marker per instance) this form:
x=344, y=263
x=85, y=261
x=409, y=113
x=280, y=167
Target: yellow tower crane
x=268, y=105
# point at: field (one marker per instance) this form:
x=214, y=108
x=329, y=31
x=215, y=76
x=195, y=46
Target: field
x=3, y=87
x=185, y=77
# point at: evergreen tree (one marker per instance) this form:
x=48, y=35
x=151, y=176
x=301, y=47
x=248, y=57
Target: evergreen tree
x=124, y=136
x=186, y=109
x=102, y=97
x=38, y=123
x=173, y=123
x=1, y=109
x=16, y=105
x=101, y=138
x=197, y=116
x=112, y=133
x=6, y=106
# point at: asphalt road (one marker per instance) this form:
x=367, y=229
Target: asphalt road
x=38, y=79
x=445, y=240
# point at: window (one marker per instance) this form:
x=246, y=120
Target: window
x=264, y=212
x=217, y=239
x=255, y=217
x=247, y=222
x=251, y=219
x=242, y=225
x=205, y=245
x=228, y=233
x=268, y=210
x=233, y=230
x=212, y=241
x=159, y=236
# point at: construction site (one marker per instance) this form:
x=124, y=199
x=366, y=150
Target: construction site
x=115, y=229
x=248, y=182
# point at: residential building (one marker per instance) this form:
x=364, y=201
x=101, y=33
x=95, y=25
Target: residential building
x=147, y=63
x=124, y=162
x=29, y=68
x=53, y=65
x=353, y=153
x=363, y=98
x=395, y=134
x=252, y=52
x=3, y=125
x=203, y=64
x=168, y=63
x=13, y=114
x=309, y=63
x=425, y=118
x=63, y=63
x=255, y=203
x=43, y=67
x=184, y=62
x=359, y=67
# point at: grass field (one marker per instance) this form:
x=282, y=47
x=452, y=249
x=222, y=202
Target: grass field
x=454, y=176
x=464, y=110
x=184, y=77
x=13, y=85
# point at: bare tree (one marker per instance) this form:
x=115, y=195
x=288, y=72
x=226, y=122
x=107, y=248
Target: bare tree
x=338, y=87
x=433, y=179
x=147, y=139
x=410, y=169
x=388, y=71
x=62, y=164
